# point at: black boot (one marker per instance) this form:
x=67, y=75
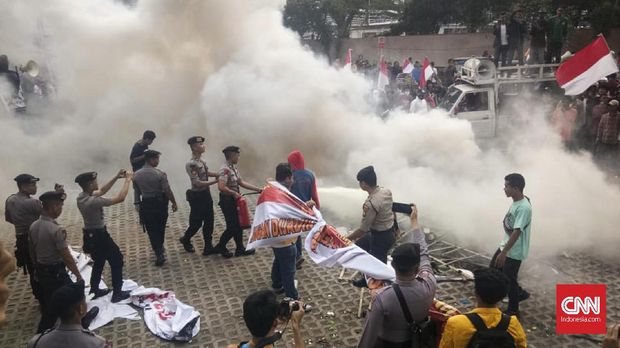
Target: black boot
x=160, y=259
x=187, y=244
x=99, y=292
x=89, y=317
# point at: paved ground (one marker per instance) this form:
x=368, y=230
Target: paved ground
x=217, y=288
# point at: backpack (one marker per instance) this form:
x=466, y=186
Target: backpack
x=497, y=337
x=423, y=333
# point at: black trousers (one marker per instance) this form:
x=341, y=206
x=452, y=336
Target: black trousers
x=233, y=227
x=501, y=55
x=511, y=270
x=101, y=247
x=554, y=51
x=378, y=243
x=200, y=215
x=51, y=278
x=154, y=215
x=22, y=254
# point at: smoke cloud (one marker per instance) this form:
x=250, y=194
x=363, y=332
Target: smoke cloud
x=229, y=70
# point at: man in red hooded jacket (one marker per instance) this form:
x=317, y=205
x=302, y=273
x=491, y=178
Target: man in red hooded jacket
x=304, y=187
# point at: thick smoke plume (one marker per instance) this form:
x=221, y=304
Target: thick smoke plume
x=231, y=71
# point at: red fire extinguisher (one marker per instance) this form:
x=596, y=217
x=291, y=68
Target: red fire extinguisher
x=243, y=212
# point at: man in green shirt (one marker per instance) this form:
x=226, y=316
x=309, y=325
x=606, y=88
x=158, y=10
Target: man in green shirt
x=515, y=246
x=556, y=36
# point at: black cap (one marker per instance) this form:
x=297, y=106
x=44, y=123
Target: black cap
x=406, y=255
x=367, y=175
x=86, y=177
x=151, y=154
x=230, y=148
x=25, y=179
x=67, y=296
x=52, y=196
x=195, y=139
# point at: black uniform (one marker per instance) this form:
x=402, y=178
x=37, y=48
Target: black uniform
x=200, y=202
x=152, y=184
x=21, y=210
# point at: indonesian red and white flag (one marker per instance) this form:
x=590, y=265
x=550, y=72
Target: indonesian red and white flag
x=383, y=79
x=427, y=72
x=280, y=216
x=586, y=67
x=407, y=66
x=347, y=60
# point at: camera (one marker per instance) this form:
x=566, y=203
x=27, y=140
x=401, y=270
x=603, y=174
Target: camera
x=402, y=208
x=288, y=305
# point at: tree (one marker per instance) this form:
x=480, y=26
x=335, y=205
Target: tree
x=605, y=17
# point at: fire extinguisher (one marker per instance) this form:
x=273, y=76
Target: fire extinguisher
x=243, y=212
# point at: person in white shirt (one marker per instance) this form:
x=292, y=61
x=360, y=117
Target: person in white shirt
x=418, y=105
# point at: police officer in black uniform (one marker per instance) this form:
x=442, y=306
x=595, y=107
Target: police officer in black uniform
x=69, y=303
x=199, y=198
x=229, y=182
x=51, y=256
x=22, y=210
x=97, y=241
x=155, y=193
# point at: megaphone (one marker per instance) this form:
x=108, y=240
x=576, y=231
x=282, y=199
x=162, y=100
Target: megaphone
x=31, y=68
x=479, y=69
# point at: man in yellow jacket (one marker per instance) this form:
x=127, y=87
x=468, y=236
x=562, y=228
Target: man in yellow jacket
x=491, y=286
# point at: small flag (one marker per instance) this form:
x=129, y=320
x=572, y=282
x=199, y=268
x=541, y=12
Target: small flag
x=586, y=67
x=407, y=66
x=383, y=79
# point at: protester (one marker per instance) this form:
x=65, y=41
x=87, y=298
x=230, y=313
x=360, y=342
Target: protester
x=69, y=304
x=376, y=232
x=514, y=248
x=416, y=281
x=304, y=188
x=491, y=287
x=449, y=73
x=501, y=41
x=607, y=134
x=612, y=338
x=598, y=111
x=564, y=118
x=556, y=36
x=538, y=40
x=516, y=35
x=395, y=70
x=419, y=104
x=263, y=315
x=417, y=72
x=285, y=252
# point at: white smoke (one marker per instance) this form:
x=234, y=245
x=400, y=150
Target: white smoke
x=231, y=71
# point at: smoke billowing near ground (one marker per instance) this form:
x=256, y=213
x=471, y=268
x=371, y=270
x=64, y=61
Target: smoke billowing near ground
x=231, y=71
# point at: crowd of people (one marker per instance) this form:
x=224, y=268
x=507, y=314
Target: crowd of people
x=43, y=252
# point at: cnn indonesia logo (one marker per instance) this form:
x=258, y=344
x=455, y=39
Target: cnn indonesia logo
x=580, y=308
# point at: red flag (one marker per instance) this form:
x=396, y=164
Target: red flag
x=383, y=79
x=347, y=59
x=586, y=67
x=427, y=73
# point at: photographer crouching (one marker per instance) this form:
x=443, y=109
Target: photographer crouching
x=263, y=314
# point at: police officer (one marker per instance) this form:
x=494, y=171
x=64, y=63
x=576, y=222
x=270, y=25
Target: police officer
x=136, y=157
x=97, y=241
x=376, y=233
x=51, y=256
x=229, y=182
x=69, y=304
x=155, y=192
x=22, y=210
x=199, y=198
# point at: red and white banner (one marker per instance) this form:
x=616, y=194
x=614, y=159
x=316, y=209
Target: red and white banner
x=427, y=73
x=347, y=60
x=280, y=215
x=383, y=79
x=586, y=67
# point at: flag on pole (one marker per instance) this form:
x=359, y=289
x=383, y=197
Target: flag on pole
x=427, y=73
x=407, y=66
x=586, y=67
x=383, y=79
x=347, y=60
x=280, y=216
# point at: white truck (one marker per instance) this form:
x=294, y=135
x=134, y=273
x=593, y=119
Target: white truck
x=481, y=96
